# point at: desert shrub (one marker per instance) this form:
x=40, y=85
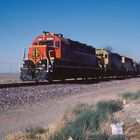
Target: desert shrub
x=79, y=127
x=109, y=106
x=87, y=122
x=15, y=136
x=35, y=132
x=131, y=95
x=105, y=107
x=80, y=108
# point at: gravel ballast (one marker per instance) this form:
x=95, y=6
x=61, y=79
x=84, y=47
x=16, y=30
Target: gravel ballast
x=42, y=105
x=12, y=97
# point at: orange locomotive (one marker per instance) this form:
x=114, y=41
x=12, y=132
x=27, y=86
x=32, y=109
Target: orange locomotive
x=51, y=56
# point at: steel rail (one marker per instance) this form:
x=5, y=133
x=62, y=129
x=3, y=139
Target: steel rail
x=70, y=81
x=10, y=85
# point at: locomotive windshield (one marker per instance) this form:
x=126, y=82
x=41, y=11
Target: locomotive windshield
x=48, y=43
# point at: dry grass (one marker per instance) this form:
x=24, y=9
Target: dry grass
x=31, y=133
x=105, y=127
x=16, y=136
x=39, y=133
x=87, y=122
x=132, y=130
x=67, y=117
x=132, y=97
x=55, y=128
x=26, y=136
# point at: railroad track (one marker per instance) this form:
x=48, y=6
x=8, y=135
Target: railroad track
x=25, y=84
x=70, y=81
x=9, y=85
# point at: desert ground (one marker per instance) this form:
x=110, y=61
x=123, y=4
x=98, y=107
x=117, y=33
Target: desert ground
x=9, y=78
x=43, y=105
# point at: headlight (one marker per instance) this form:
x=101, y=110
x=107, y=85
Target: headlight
x=39, y=62
x=23, y=62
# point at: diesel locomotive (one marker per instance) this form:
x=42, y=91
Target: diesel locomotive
x=51, y=56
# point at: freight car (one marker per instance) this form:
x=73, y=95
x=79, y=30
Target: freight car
x=51, y=56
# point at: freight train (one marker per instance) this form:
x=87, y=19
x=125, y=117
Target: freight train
x=51, y=56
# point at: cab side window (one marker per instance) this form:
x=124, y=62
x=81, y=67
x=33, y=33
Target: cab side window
x=106, y=56
x=57, y=44
x=50, y=43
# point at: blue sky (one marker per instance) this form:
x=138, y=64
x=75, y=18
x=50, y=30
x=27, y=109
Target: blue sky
x=101, y=23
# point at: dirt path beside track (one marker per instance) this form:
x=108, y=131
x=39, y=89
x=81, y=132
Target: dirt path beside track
x=43, y=105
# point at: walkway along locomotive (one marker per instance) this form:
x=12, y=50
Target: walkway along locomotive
x=52, y=56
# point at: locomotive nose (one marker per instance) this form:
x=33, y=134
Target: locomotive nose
x=37, y=53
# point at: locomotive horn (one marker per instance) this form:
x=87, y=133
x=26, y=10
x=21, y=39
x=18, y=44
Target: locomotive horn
x=45, y=32
x=60, y=35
